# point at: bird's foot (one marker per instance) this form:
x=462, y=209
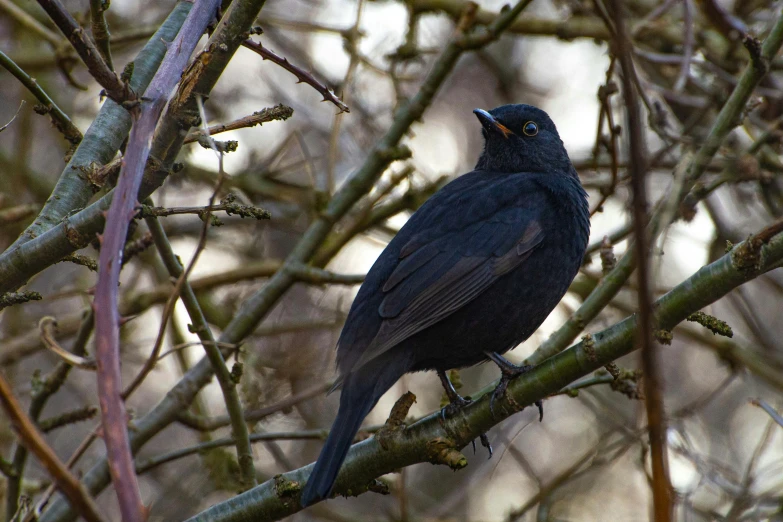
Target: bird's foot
x=508, y=372
x=456, y=404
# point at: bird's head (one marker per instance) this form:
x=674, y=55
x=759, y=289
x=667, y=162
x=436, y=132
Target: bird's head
x=521, y=138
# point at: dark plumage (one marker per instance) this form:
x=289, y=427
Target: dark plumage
x=472, y=274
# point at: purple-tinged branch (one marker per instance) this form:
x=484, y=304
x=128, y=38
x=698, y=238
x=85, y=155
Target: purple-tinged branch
x=145, y=118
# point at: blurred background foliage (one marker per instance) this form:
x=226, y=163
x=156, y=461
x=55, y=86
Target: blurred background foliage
x=588, y=460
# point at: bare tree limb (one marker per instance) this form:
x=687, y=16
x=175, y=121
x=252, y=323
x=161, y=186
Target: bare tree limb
x=653, y=382
x=32, y=439
x=116, y=89
x=60, y=120
x=725, y=122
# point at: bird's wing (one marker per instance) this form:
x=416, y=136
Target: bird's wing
x=437, y=276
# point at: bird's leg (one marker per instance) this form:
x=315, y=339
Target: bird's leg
x=508, y=372
x=456, y=403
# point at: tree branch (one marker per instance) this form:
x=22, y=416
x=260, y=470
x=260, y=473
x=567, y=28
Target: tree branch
x=725, y=122
x=100, y=29
x=32, y=439
x=116, y=89
x=278, y=112
x=201, y=327
x=59, y=119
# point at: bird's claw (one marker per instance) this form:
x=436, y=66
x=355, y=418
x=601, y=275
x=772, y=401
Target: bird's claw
x=508, y=373
x=540, y=405
x=455, y=405
x=484, y=442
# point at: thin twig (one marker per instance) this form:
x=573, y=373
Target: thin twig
x=45, y=388
x=351, y=38
x=279, y=112
x=34, y=515
x=212, y=348
x=4, y=127
x=604, y=97
x=229, y=206
x=741, y=501
x=153, y=462
x=30, y=23
x=19, y=212
x=69, y=417
x=47, y=326
x=688, y=44
x=14, y=298
x=730, y=26
x=769, y=409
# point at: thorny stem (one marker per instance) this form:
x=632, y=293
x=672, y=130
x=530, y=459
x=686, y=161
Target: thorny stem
x=197, y=82
x=302, y=75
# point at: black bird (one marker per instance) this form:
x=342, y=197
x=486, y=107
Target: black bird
x=473, y=273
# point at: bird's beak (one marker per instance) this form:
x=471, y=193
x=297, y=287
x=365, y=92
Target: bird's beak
x=490, y=123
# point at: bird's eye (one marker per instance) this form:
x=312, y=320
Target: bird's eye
x=530, y=128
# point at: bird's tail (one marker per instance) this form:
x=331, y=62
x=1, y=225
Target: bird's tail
x=360, y=393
